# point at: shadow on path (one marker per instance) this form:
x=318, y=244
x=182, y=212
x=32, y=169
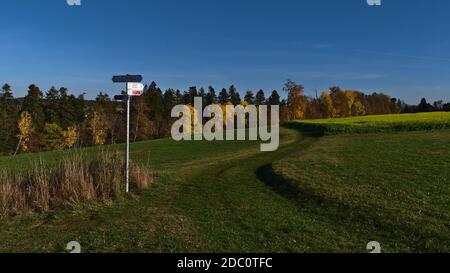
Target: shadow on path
x=277, y=183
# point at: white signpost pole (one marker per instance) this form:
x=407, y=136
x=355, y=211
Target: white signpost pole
x=127, y=146
x=133, y=87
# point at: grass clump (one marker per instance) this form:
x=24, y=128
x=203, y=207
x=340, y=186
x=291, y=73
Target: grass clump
x=67, y=185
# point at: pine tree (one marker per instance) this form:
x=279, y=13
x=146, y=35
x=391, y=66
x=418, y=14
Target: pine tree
x=260, y=98
x=202, y=94
x=211, y=97
x=154, y=99
x=79, y=104
x=249, y=97
x=169, y=100
x=178, y=97
x=192, y=94
x=235, y=97
x=33, y=104
x=53, y=137
x=8, y=117
x=224, y=97
x=274, y=99
x=67, y=112
x=52, y=106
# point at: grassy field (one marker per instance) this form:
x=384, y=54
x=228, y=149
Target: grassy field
x=394, y=188
x=328, y=194
x=381, y=123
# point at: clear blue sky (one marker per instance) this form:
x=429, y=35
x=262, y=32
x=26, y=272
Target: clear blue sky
x=401, y=48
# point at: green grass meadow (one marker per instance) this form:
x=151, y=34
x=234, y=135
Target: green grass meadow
x=333, y=192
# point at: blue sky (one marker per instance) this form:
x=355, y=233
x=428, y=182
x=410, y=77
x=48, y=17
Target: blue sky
x=401, y=48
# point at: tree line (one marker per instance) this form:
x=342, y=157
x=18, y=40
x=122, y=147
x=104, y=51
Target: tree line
x=57, y=120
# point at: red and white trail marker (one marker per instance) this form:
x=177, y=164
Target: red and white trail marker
x=135, y=89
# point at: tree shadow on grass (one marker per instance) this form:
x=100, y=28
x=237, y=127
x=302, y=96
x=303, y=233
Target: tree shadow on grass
x=277, y=183
x=313, y=130
x=284, y=187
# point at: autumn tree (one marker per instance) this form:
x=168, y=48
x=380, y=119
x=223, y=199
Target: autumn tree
x=284, y=112
x=358, y=106
x=70, y=137
x=326, y=105
x=313, y=109
x=297, y=101
x=377, y=104
x=349, y=100
x=25, y=128
x=99, y=127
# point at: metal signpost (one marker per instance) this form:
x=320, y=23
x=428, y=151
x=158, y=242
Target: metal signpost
x=134, y=87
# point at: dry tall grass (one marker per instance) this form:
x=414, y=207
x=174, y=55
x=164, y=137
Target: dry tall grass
x=74, y=181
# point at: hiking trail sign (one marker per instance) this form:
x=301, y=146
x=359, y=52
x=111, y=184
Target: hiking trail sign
x=134, y=87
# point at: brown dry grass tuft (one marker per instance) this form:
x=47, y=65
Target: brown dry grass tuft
x=73, y=182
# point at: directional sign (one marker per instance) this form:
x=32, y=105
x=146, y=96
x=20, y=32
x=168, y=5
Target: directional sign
x=120, y=98
x=135, y=88
x=127, y=78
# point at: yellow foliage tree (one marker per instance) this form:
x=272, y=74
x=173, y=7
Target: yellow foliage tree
x=99, y=128
x=326, y=105
x=358, y=109
x=25, y=127
x=350, y=99
x=297, y=102
x=195, y=122
x=339, y=102
x=70, y=137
